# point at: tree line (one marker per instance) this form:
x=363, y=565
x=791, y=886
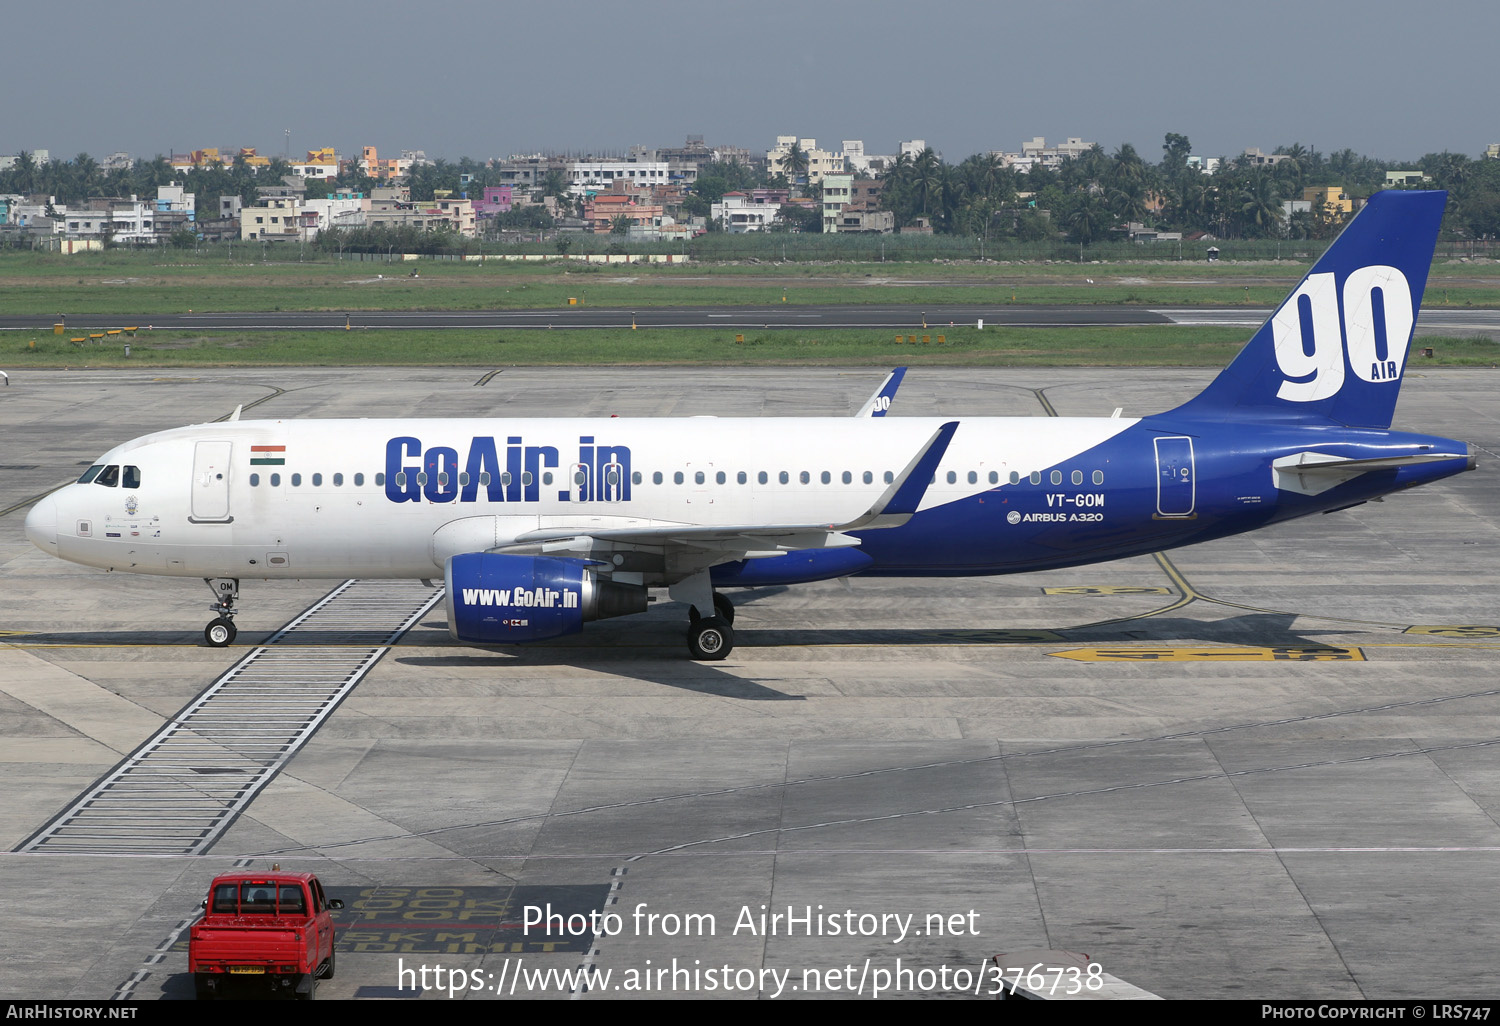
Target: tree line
x=1086, y=198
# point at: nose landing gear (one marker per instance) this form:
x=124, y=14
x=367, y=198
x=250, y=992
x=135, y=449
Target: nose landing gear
x=220, y=631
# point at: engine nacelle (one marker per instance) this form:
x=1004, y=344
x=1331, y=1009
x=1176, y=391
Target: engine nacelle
x=493, y=598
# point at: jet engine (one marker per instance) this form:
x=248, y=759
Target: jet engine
x=493, y=598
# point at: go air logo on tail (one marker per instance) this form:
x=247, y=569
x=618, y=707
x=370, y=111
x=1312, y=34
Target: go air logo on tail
x=533, y=598
x=1312, y=336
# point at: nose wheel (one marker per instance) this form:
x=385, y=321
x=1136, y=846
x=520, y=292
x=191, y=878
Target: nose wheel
x=220, y=631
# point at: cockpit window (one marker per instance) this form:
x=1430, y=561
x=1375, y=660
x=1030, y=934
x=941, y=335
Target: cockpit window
x=132, y=478
x=109, y=477
x=91, y=473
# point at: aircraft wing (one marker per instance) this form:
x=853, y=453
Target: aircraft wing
x=878, y=403
x=690, y=547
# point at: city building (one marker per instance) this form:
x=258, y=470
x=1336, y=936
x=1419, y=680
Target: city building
x=1393, y=178
x=880, y=222
x=273, y=219
x=1259, y=159
x=320, y=163
x=858, y=162
x=496, y=200
x=1328, y=199
x=627, y=200
x=837, y=190
x=593, y=176
x=737, y=213
x=819, y=162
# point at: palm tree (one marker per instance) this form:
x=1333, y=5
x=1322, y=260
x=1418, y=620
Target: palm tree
x=794, y=163
x=1128, y=201
x=1089, y=220
x=927, y=179
x=1260, y=206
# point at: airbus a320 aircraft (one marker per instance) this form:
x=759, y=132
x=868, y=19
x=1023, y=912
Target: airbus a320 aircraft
x=538, y=526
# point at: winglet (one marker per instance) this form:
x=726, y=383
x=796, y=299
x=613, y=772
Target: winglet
x=899, y=501
x=881, y=400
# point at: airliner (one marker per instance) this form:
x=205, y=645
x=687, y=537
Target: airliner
x=538, y=526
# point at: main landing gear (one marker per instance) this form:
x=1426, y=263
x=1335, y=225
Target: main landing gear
x=220, y=631
x=711, y=637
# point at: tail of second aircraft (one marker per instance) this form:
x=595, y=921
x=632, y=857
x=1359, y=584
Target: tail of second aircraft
x=1335, y=350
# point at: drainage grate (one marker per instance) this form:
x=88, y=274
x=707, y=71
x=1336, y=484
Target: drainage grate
x=178, y=792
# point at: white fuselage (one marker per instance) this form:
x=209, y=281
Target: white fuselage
x=388, y=498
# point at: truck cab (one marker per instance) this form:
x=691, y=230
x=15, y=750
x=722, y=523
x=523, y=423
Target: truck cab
x=263, y=934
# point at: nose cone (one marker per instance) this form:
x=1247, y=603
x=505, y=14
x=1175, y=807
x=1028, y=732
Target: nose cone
x=41, y=525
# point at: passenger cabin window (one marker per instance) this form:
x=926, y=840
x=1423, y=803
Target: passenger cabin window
x=317, y=480
x=296, y=480
x=254, y=480
x=338, y=480
x=275, y=480
x=1098, y=477
x=109, y=477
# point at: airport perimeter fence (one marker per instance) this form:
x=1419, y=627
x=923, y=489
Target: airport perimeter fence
x=772, y=248
x=776, y=248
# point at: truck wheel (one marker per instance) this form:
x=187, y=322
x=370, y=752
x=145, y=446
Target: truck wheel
x=328, y=966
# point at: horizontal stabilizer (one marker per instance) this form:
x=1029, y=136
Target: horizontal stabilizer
x=1312, y=473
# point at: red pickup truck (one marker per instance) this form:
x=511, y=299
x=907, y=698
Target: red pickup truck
x=263, y=933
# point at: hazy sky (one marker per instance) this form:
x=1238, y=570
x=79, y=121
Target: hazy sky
x=487, y=78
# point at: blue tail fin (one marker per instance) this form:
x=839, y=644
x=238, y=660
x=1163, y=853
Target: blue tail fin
x=1336, y=347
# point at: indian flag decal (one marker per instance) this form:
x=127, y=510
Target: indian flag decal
x=267, y=455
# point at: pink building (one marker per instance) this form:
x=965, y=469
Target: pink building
x=496, y=200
